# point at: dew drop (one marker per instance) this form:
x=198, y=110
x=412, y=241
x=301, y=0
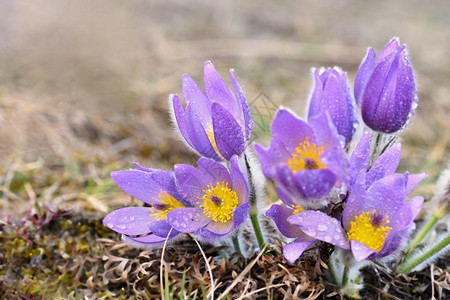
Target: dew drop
x=327, y=238
x=110, y=225
x=322, y=227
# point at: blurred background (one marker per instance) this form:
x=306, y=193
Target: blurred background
x=84, y=84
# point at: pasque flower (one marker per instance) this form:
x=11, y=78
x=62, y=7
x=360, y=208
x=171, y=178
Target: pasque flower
x=217, y=124
x=305, y=160
x=375, y=222
x=385, y=165
x=218, y=199
x=385, y=89
x=332, y=93
x=146, y=225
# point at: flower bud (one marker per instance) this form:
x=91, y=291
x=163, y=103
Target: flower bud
x=332, y=94
x=385, y=88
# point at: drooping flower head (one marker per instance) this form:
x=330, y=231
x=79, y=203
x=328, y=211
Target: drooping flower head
x=219, y=199
x=332, y=93
x=385, y=89
x=305, y=160
x=146, y=225
x=375, y=221
x=217, y=124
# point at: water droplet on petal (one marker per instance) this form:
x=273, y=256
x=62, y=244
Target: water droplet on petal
x=327, y=238
x=322, y=227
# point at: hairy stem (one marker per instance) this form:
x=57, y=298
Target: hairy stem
x=423, y=232
x=257, y=228
x=408, y=266
x=237, y=246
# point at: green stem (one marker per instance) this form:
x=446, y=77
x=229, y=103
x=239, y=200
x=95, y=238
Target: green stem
x=236, y=245
x=408, y=266
x=332, y=271
x=345, y=276
x=257, y=228
x=423, y=232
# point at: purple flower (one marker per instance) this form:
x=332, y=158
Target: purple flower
x=332, y=94
x=218, y=198
x=146, y=225
x=385, y=89
x=305, y=160
x=375, y=222
x=216, y=125
x=384, y=165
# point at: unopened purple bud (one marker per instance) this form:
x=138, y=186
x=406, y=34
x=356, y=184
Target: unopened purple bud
x=385, y=88
x=332, y=94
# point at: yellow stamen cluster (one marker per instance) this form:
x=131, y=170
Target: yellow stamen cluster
x=168, y=203
x=297, y=209
x=306, y=156
x=219, y=201
x=212, y=139
x=369, y=231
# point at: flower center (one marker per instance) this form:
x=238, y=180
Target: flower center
x=168, y=203
x=369, y=228
x=306, y=156
x=297, y=209
x=219, y=202
x=212, y=140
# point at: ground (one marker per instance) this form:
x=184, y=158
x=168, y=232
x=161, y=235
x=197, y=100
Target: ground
x=83, y=91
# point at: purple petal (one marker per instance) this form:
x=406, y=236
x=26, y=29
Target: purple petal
x=293, y=250
x=413, y=180
x=386, y=196
x=336, y=161
x=279, y=214
x=290, y=199
x=372, y=108
x=320, y=226
x=240, y=214
x=359, y=160
x=141, y=168
x=336, y=99
x=180, y=118
x=316, y=102
x=405, y=93
x=238, y=181
x=243, y=106
x=137, y=184
x=197, y=100
x=197, y=135
x=384, y=165
x=217, y=90
x=166, y=181
x=360, y=251
x=148, y=239
x=129, y=220
x=315, y=184
x=220, y=228
x=355, y=201
x=325, y=131
x=191, y=182
x=414, y=206
x=392, y=47
x=291, y=130
x=187, y=219
x=227, y=132
x=213, y=171
x=285, y=181
x=271, y=156
x=363, y=75
x=162, y=229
